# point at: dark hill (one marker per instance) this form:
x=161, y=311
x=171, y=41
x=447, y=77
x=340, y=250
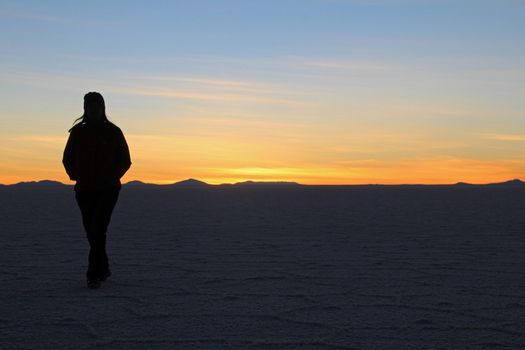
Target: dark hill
x=138, y=184
x=39, y=184
x=189, y=183
x=510, y=183
x=266, y=184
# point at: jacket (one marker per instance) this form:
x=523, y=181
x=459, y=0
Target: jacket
x=96, y=156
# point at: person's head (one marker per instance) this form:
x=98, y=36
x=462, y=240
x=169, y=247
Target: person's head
x=94, y=108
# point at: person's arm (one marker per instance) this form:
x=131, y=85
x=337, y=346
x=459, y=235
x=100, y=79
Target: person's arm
x=123, y=157
x=68, y=158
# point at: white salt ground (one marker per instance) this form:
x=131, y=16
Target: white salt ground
x=303, y=268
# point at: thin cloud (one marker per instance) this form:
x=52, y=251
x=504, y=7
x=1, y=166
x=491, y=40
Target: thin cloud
x=212, y=82
x=215, y=84
x=34, y=16
x=222, y=91
x=47, y=139
x=376, y=2
x=505, y=137
x=29, y=15
x=347, y=65
x=148, y=137
x=209, y=97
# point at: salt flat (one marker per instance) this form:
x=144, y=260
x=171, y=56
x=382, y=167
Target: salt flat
x=261, y=268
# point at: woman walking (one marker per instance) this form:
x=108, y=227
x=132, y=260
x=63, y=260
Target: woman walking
x=96, y=157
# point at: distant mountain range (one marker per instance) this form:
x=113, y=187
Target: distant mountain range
x=510, y=183
x=193, y=183
x=37, y=184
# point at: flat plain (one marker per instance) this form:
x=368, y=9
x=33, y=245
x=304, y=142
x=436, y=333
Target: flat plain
x=308, y=267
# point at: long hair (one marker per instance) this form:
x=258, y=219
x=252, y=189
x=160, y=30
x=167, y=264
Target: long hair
x=93, y=101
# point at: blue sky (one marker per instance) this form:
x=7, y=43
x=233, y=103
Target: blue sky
x=329, y=84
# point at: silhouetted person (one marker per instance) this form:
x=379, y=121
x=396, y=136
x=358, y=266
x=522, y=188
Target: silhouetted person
x=96, y=157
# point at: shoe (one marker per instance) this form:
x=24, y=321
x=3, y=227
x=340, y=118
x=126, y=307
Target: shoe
x=105, y=275
x=93, y=284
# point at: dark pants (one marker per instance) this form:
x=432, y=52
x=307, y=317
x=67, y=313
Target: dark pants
x=96, y=208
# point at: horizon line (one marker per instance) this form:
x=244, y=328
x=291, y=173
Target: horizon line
x=276, y=182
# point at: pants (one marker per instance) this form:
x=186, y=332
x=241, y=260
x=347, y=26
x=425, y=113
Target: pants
x=96, y=209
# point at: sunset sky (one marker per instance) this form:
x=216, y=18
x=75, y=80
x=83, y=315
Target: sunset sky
x=313, y=91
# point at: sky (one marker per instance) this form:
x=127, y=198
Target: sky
x=313, y=91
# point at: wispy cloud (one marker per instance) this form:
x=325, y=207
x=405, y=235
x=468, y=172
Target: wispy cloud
x=376, y=2
x=209, y=97
x=347, y=64
x=148, y=137
x=46, y=139
x=505, y=137
x=303, y=174
x=211, y=82
x=43, y=17
x=28, y=15
x=187, y=88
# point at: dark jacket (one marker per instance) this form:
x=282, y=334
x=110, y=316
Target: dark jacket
x=96, y=156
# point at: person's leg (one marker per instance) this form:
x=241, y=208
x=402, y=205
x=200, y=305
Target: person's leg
x=87, y=202
x=105, y=203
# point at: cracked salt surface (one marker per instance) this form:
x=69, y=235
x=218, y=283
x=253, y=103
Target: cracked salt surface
x=294, y=268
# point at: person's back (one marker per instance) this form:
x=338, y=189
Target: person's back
x=96, y=156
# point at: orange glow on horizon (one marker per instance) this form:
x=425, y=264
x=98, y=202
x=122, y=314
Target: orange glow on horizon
x=218, y=158
x=443, y=171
